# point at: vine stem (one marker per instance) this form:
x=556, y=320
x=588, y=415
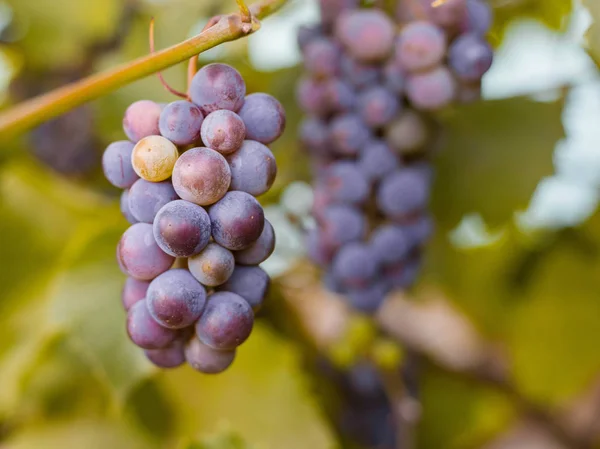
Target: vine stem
x=30, y=113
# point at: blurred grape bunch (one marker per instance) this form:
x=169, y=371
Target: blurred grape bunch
x=370, y=92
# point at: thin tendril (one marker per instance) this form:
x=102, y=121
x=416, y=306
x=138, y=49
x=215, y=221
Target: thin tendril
x=159, y=74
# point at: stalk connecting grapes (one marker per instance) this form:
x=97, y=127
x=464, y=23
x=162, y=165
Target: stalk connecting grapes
x=191, y=171
x=370, y=86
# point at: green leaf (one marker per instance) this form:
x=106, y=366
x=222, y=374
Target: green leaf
x=593, y=34
x=496, y=153
x=264, y=396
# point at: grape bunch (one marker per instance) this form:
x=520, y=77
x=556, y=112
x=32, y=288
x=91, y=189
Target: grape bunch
x=370, y=89
x=191, y=171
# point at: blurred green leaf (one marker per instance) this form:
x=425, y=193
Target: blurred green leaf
x=593, y=34
x=496, y=153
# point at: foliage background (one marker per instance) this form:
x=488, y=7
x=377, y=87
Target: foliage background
x=502, y=291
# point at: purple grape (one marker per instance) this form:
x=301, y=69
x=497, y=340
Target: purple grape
x=175, y=299
x=141, y=120
x=146, y=198
x=431, y=90
x=251, y=283
x=342, y=224
x=264, y=118
x=470, y=57
x=346, y=183
x=134, y=290
x=448, y=13
x=213, y=266
x=377, y=160
x=359, y=74
x=226, y=322
x=478, y=18
x=403, y=193
x=223, y=131
x=370, y=298
x=318, y=250
x=403, y=275
x=377, y=106
x=419, y=230
x=394, y=78
x=367, y=34
x=138, y=254
x=408, y=133
x=201, y=176
x=260, y=250
x=170, y=357
x=321, y=57
x=420, y=46
x=355, y=265
x=116, y=164
x=206, y=359
x=331, y=9
x=314, y=134
x=311, y=96
x=391, y=244
x=340, y=95
x=218, y=86
x=144, y=331
x=181, y=228
x=306, y=34
x=348, y=134
x=237, y=220
x=253, y=168
x=180, y=122
x=124, y=204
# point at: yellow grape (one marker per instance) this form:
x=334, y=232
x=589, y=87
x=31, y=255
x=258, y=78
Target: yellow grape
x=153, y=158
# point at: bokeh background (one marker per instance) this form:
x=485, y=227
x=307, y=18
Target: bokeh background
x=496, y=347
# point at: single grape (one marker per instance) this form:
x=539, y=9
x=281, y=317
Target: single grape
x=318, y=249
x=175, y=299
x=377, y=106
x=134, y=290
x=377, y=160
x=346, y=183
x=153, y=158
x=124, y=203
x=340, y=96
x=180, y=122
x=223, y=131
x=370, y=298
x=359, y=74
x=367, y=34
x=311, y=96
x=431, y=90
x=408, y=133
x=420, y=46
x=478, y=18
x=251, y=283
x=144, y=331
x=470, y=57
x=212, y=266
x=237, y=220
x=226, y=322
x=260, y=250
x=253, y=168
x=138, y=254
x=141, y=120
x=116, y=164
x=147, y=198
x=306, y=33
x=403, y=193
x=342, y=224
x=394, y=78
x=206, y=359
x=322, y=57
x=355, y=265
x=218, y=86
x=170, y=357
x=314, y=134
x=264, y=118
x=348, y=133
x=201, y=176
x=181, y=228
x=391, y=244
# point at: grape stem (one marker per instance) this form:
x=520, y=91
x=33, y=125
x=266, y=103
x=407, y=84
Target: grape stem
x=30, y=113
